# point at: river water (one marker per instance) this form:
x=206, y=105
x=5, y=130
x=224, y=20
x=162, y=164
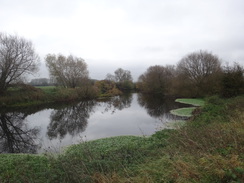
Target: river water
x=51, y=128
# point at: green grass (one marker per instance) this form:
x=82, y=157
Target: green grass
x=184, y=112
x=45, y=87
x=48, y=89
x=208, y=148
x=24, y=168
x=79, y=163
x=195, y=102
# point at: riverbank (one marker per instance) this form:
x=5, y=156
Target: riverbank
x=25, y=95
x=209, y=148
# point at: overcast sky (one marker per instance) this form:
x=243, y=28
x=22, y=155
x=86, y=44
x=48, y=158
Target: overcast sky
x=131, y=34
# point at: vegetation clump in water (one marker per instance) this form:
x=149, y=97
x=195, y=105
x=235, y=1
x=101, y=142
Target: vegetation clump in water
x=187, y=111
x=191, y=101
x=184, y=112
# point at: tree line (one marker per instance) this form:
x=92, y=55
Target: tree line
x=197, y=74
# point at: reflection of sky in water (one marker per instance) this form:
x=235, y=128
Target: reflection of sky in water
x=129, y=121
x=102, y=123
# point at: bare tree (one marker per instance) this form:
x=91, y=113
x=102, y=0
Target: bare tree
x=157, y=79
x=123, y=79
x=110, y=77
x=200, y=70
x=122, y=75
x=17, y=58
x=68, y=71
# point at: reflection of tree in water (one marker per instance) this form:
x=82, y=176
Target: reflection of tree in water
x=156, y=106
x=118, y=102
x=15, y=137
x=72, y=120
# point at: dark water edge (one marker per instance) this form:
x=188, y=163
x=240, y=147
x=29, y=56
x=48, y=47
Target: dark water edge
x=52, y=127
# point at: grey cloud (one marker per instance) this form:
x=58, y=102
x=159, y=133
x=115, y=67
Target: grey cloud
x=132, y=34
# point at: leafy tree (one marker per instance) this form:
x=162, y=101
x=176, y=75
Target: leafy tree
x=107, y=87
x=232, y=81
x=199, y=73
x=17, y=58
x=69, y=71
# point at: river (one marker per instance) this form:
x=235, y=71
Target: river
x=52, y=128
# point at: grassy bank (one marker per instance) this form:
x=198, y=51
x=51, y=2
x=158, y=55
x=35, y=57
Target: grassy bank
x=26, y=95
x=209, y=148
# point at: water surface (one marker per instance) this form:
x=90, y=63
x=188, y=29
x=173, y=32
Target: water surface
x=53, y=128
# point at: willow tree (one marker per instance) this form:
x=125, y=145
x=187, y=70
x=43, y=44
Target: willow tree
x=17, y=58
x=69, y=72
